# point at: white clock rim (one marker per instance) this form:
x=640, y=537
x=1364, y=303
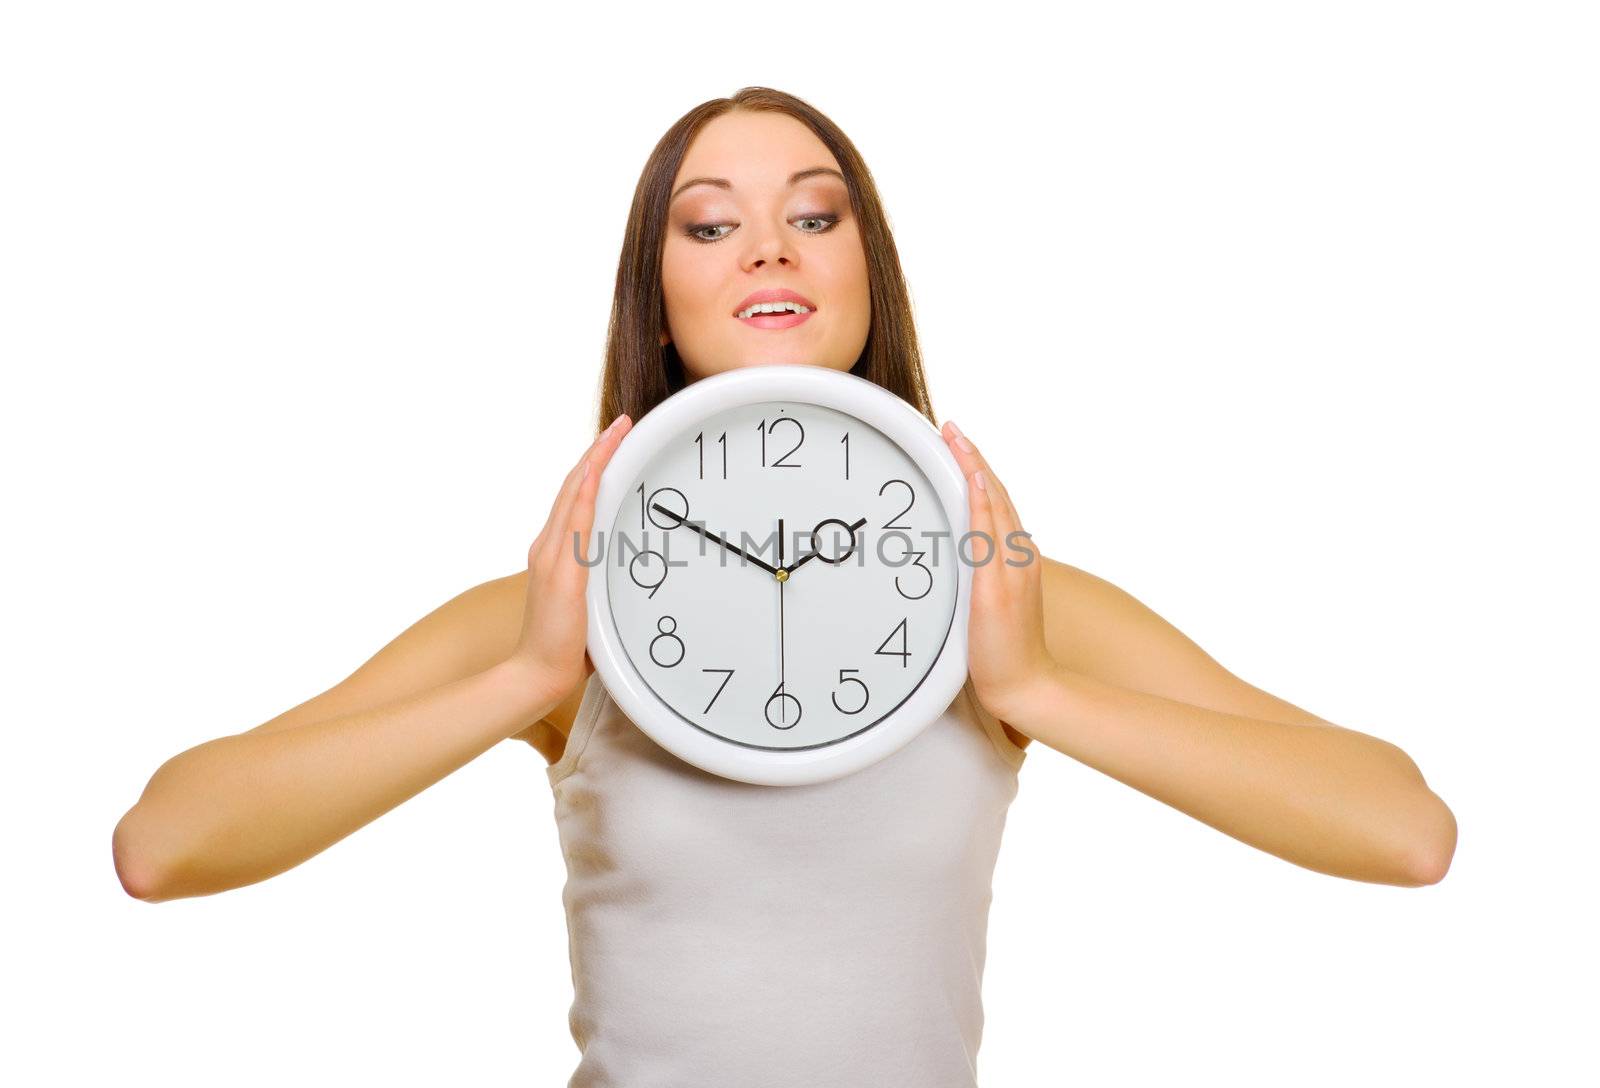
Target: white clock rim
x=828, y=388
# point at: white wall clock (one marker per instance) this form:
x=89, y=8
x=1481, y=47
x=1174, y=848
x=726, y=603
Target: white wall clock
x=775, y=593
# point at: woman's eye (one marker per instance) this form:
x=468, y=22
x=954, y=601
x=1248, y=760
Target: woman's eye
x=828, y=222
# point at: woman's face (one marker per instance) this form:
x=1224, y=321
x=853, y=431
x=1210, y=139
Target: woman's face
x=754, y=231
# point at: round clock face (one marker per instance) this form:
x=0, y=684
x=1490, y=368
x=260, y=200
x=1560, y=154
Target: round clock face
x=781, y=575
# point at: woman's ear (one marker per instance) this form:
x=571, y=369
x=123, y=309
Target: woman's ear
x=666, y=338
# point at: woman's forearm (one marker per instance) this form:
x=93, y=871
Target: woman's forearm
x=1322, y=796
x=239, y=809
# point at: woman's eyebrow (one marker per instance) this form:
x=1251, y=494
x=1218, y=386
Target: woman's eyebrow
x=723, y=183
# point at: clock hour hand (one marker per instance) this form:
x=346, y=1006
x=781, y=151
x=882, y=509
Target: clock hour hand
x=804, y=559
x=768, y=567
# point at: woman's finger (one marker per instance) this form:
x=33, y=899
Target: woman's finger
x=981, y=512
x=964, y=445
x=580, y=517
x=560, y=510
x=1004, y=516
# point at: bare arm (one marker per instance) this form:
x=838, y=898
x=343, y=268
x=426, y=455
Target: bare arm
x=239, y=809
x=1077, y=663
x=479, y=669
x=1137, y=699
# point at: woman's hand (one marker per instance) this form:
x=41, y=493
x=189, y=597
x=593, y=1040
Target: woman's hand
x=1006, y=650
x=554, y=624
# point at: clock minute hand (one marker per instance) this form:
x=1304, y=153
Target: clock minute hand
x=709, y=535
x=798, y=563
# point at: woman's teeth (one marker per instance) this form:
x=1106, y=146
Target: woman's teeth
x=773, y=308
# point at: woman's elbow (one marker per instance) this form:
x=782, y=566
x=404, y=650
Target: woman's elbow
x=137, y=870
x=1436, y=843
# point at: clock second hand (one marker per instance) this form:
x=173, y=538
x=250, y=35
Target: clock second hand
x=783, y=706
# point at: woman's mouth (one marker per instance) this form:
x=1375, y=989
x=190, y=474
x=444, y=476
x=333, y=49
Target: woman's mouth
x=775, y=321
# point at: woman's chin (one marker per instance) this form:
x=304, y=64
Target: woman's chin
x=774, y=358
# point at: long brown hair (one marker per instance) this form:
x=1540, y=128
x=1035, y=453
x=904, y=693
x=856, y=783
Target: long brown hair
x=640, y=372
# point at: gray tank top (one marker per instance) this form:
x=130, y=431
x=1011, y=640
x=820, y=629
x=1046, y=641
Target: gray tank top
x=728, y=935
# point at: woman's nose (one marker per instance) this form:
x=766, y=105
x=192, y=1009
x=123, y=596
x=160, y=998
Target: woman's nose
x=767, y=245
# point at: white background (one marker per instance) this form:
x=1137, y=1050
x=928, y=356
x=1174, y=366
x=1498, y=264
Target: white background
x=1279, y=317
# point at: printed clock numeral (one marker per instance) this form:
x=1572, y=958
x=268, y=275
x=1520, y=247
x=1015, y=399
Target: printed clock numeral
x=893, y=523
x=634, y=574
x=670, y=634
x=902, y=653
x=772, y=429
x=647, y=507
x=700, y=441
x=787, y=711
x=916, y=561
x=720, y=686
x=866, y=695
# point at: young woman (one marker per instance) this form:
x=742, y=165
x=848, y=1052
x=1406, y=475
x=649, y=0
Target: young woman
x=729, y=934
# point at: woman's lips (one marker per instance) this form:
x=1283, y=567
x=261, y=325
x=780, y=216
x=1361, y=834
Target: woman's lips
x=776, y=321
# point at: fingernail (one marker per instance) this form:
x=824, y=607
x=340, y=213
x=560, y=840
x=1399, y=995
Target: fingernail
x=961, y=440
x=977, y=478
x=613, y=424
x=584, y=475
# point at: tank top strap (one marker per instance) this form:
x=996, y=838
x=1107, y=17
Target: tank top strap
x=589, y=707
